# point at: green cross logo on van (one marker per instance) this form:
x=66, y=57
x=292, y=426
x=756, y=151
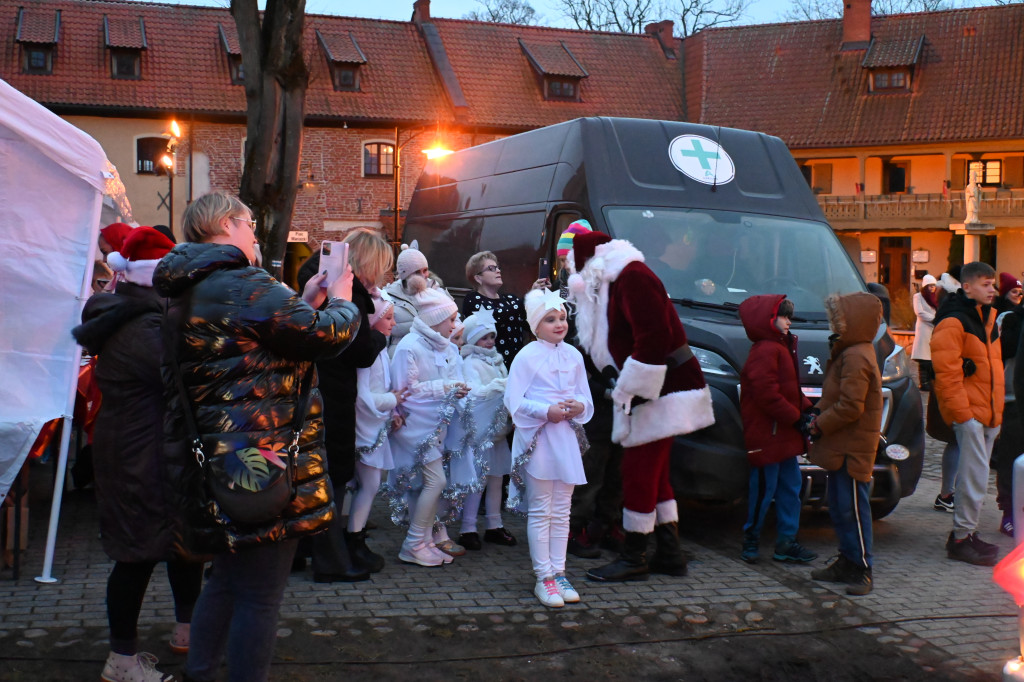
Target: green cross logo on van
x=701, y=159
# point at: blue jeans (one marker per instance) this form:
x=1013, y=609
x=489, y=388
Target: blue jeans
x=779, y=482
x=850, y=509
x=237, y=611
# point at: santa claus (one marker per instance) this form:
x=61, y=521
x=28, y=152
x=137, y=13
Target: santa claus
x=625, y=319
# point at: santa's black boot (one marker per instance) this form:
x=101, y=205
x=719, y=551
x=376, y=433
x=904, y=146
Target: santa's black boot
x=631, y=564
x=669, y=558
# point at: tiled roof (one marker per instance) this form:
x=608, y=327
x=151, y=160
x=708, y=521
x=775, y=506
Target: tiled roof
x=553, y=60
x=900, y=52
x=38, y=26
x=628, y=74
x=185, y=68
x=791, y=80
x=127, y=32
x=229, y=39
x=342, y=49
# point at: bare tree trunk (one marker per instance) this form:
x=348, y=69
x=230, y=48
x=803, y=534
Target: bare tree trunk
x=276, y=78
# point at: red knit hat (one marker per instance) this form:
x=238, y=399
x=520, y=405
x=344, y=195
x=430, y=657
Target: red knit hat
x=115, y=234
x=584, y=245
x=1007, y=282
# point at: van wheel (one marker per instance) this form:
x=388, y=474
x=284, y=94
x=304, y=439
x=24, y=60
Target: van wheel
x=882, y=509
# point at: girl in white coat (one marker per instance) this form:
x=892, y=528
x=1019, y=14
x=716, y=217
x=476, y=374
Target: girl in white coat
x=485, y=373
x=925, y=304
x=548, y=397
x=376, y=417
x=427, y=366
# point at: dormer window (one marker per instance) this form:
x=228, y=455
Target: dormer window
x=890, y=81
x=344, y=59
x=229, y=41
x=125, y=39
x=38, y=31
x=891, y=64
x=560, y=72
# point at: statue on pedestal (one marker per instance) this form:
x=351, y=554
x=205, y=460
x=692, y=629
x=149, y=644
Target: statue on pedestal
x=972, y=194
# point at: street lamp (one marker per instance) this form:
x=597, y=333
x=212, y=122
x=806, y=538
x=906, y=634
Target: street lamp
x=167, y=161
x=434, y=152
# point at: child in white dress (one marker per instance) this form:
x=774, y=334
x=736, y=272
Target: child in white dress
x=427, y=366
x=548, y=397
x=485, y=373
x=376, y=417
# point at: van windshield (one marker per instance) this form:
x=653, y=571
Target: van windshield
x=723, y=257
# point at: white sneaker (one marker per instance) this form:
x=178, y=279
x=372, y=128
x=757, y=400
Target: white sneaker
x=179, y=637
x=546, y=591
x=566, y=591
x=445, y=558
x=138, y=668
x=420, y=554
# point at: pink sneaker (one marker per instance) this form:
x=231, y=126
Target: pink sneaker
x=422, y=555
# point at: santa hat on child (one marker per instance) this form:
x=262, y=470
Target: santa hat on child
x=432, y=305
x=580, y=226
x=410, y=261
x=138, y=256
x=115, y=234
x=1007, y=282
x=478, y=325
x=538, y=302
x=381, y=306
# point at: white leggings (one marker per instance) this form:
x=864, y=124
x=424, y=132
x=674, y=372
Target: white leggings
x=547, y=524
x=369, y=484
x=423, y=508
x=472, y=504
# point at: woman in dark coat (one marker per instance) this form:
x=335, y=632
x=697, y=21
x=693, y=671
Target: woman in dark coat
x=244, y=344
x=340, y=556
x=136, y=517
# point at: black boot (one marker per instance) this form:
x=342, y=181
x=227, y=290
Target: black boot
x=332, y=562
x=362, y=557
x=669, y=558
x=631, y=564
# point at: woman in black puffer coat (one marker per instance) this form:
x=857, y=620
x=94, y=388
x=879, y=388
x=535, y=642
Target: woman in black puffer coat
x=243, y=343
x=338, y=555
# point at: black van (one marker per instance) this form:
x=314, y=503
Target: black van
x=720, y=214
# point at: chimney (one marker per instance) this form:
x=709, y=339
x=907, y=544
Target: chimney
x=421, y=12
x=856, y=24
x=662, y=30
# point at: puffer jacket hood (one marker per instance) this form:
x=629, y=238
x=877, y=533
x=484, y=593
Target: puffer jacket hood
x=189, y=263
x=104, y=314
x=854, y=318
x=758, y=315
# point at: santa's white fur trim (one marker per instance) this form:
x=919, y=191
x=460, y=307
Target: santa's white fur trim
x=638, y=522
x=637, y=378
x=141, y=272
x=603, y=268
x=117, y=262
x=667, y=511
x=670, y=415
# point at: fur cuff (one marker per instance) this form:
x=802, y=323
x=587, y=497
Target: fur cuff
x=638, y=522
x=667, y=511
x=642, y=380
x=670, y=415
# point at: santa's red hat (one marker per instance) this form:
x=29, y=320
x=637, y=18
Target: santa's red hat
x=115, y=234
x=584, y=245
x=136, y=260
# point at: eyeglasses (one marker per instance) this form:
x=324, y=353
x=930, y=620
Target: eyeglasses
x=249, y=221
x=490, y=268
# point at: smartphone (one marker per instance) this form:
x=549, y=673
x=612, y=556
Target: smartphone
x=333, y=259
x=543, y=269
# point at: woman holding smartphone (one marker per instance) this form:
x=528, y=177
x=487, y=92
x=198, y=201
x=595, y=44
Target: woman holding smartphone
x=484, y=275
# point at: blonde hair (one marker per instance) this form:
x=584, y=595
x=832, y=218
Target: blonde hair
x=371, y=257
x=202, y=217
x=474, y=263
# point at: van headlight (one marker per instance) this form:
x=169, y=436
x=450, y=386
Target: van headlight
x=713, y=363
x=896, y=365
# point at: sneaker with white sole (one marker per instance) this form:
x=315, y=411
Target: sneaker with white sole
x=546, y=591
x=944, y=504
x=138, y=668
x=566, y=591
x=436, y=551
x=179, y=637
x=422, y=555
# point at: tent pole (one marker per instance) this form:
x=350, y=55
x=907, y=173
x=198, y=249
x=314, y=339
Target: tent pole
x=58, y=494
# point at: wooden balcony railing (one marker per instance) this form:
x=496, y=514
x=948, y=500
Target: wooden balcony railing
x=928, y=207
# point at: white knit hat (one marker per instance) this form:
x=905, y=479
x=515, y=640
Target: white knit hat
x=478, y=325
x=432, y=305
x=381, y=306
x=928, y=279
x=540, y=301
x=410, y=260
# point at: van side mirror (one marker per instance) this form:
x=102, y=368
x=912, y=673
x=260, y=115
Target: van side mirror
x=882, y=293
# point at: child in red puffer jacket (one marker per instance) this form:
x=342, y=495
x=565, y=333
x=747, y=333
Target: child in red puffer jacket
x=774, y=410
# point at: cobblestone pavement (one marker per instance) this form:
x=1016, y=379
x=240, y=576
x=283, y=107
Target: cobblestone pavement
x=949, y=618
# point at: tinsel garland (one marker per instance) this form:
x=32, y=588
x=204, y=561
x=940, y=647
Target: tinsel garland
x=396, y=495
x=517, y=479
x=456, y=493
x=382, y=436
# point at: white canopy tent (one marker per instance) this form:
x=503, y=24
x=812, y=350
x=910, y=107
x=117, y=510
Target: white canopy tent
x=54, y=182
